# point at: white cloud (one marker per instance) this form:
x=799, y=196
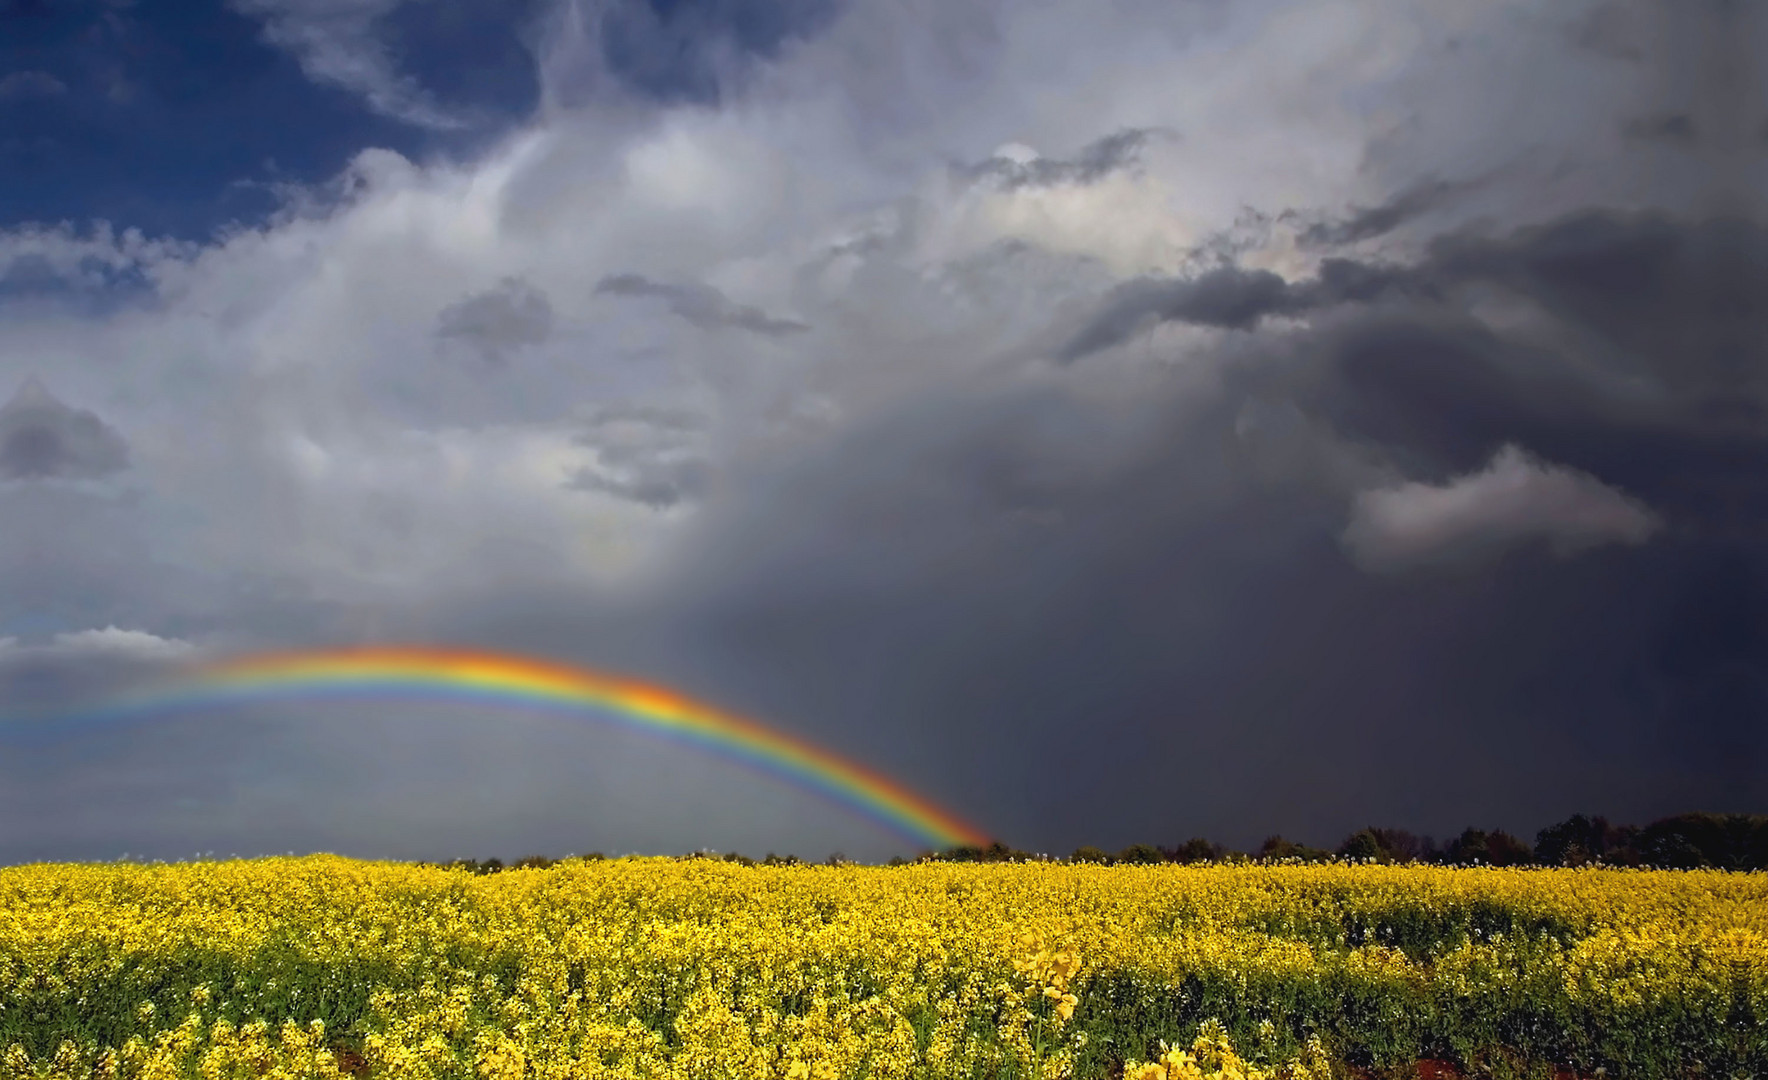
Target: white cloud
x=288, y=411
x=335, y=42
x=113, y=641
x=90, y=263
x=1514, y=499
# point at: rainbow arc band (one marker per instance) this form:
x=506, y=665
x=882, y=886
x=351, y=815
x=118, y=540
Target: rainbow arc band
x=463, y=674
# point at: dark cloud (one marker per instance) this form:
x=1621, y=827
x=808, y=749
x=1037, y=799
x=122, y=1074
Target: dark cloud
x=40, y=438
x=1232, y=299
x=1367, y=223
x=701, y=305
x=1612, y=29
x=1666, y=127
x=1573, y=482
x=506, y=318
x=1096, y=160
x=645, y=454
x=1093, y=594
x=1680, y=300
x=1652, y=384
x=656, y=484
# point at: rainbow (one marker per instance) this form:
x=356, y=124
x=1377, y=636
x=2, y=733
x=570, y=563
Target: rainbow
x=473, y=675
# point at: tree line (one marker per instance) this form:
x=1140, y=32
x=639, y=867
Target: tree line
x=1684, y=842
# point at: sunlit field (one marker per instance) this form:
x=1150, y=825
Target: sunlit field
x=701, y=968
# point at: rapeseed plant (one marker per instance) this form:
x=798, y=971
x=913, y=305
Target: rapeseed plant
x=662, y=968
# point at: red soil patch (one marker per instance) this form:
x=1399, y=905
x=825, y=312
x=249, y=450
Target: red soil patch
x=349, y=1061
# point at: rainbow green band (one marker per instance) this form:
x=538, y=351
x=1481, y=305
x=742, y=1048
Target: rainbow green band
x=457, y=674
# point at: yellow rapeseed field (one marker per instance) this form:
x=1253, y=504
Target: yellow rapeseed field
x=701, y=969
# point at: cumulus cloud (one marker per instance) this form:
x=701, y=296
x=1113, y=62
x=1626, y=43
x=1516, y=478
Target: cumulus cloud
x=37, y=258
x=77, y=668
x=135, y=644
x=508, y=317
x=41, y=438
x=1513, y=500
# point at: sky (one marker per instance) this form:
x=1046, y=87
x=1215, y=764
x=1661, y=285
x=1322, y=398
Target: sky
x=1115, y=421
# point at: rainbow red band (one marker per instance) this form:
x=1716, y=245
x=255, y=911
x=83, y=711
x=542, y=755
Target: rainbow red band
x=468, y=674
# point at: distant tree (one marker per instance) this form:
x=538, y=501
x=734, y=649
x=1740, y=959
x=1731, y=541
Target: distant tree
x=1691, y=841
x=1580, y=840
x=1275, y=847
x=1430, y=851
x=1140, y=854
x=594, y=856
x=742, y=860
x=1400, y=845
x=1496, y=848
x=1089, y=854
x=897, y=860
x=1385, y=845
x=1197, y=849
x=1362, y=845
x=538, y=862
x=779, y=860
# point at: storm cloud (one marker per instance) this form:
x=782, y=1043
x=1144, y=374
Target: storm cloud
x=1358, y=418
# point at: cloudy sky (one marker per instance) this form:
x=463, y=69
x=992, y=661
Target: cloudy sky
x=1117, y=420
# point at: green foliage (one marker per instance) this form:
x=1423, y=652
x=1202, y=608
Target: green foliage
x=1195, y=850
x=1496, y=848
x=1580, y=841
x=1140, y=855
x=1721, y=841
x=1275, y=847
x=1362, y=846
